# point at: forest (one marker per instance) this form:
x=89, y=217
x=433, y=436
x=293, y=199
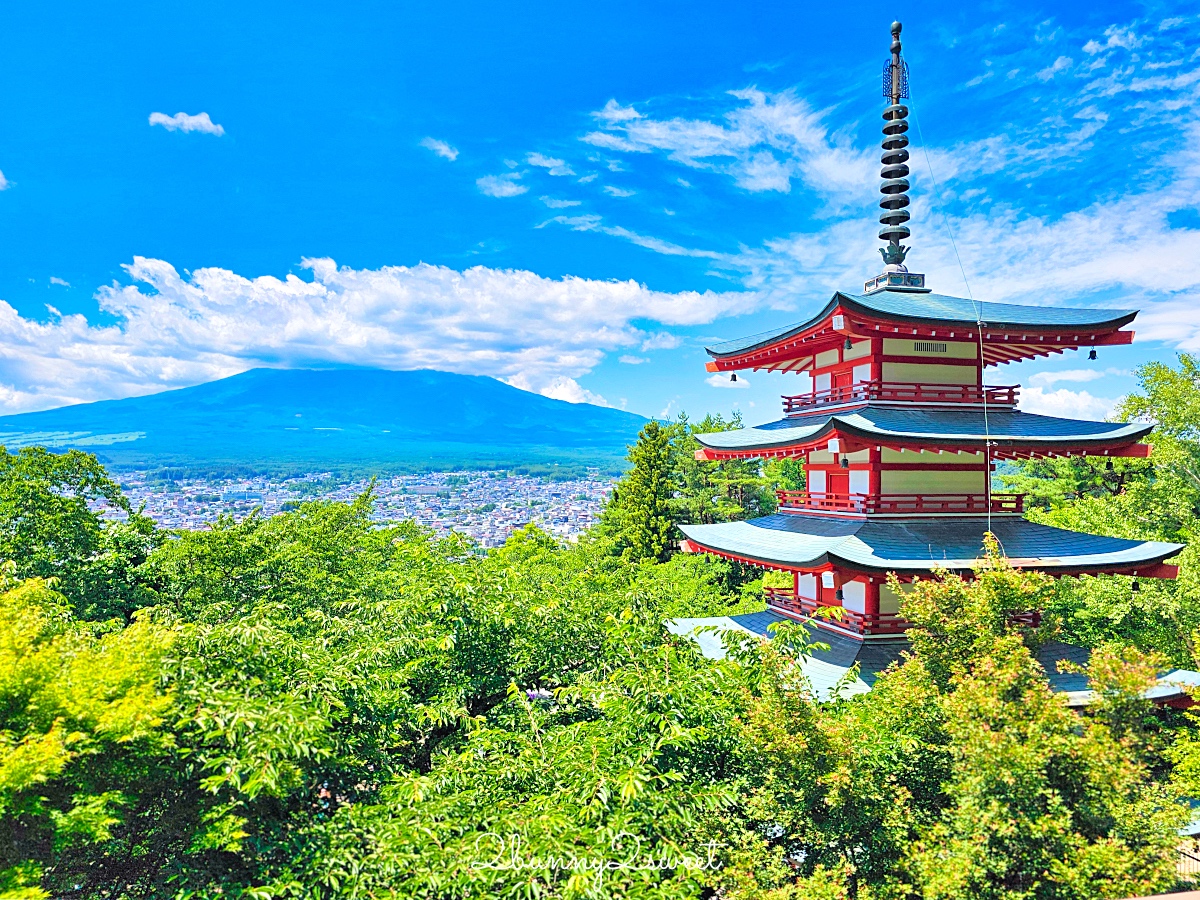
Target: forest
x=314, y=706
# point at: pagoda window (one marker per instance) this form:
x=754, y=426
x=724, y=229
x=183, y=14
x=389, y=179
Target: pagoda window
x=862, y=373
x=822, y=382
x=929, y=373
x=889, y=600
x=806, y=586
x=860, y=481
x=854, y=596
x=968, y=480
x=943, y=349
x=816, y=481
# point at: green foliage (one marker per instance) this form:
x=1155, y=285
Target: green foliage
x=668, y=486
x=313, y=706
x=639, y=512
x=77, y=702
x=961, y=774
x=1156, y=499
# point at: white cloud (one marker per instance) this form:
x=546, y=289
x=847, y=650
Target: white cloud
x=1066, y=404
x=549, y=163
x=633, y=360
x=618, y=192
x=593, y=222
x=183, y=122
x=663, y=340
x=555, y=203
x=1059, y=65
x=1074, y=375
x=763, y=145
x=587, y=178
x=172, y=331
x=560, y=388
x=723, y=381
x=1116, y=37
x=54, y=279
x=507, y=185
x=614, y=112
x=5, y=184
x=441, y=148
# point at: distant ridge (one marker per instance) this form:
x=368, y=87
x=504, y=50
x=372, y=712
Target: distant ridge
x=335, y=419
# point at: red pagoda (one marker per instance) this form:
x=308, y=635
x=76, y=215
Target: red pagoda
x=900, y=434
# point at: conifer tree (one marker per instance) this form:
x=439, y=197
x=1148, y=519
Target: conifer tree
x=640, y=510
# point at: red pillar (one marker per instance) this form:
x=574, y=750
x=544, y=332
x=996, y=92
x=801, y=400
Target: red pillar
x=871, y=607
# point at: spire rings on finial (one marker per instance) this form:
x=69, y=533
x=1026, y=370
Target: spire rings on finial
x=895, y=171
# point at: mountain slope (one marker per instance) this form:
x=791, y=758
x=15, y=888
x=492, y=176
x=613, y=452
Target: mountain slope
x=334, y=417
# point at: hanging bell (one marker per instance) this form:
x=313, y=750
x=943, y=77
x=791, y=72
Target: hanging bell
x=1135, y=587
x=733, y=377
x=845, y=462
x=849, y=345
x=1092, y=355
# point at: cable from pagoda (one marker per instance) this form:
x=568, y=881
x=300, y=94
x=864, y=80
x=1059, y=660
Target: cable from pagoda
x=895, y=89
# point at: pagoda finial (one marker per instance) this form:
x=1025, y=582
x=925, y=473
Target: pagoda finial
x=895, y=177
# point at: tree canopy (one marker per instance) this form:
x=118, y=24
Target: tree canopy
x=314, y=706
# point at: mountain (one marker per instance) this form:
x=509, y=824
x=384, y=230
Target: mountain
x=335, y=419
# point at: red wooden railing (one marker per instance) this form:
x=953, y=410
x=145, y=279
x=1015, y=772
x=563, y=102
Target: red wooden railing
x=902, y=391
x=859, y=623
x=900, y=503
x=863, y=623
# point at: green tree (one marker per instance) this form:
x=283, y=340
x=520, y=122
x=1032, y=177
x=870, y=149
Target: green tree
x=639, y=512
x=78, y=707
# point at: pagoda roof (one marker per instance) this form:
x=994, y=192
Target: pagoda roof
x=1007, y=429
x=828, y=664
x=938, y=309
x=798, y=541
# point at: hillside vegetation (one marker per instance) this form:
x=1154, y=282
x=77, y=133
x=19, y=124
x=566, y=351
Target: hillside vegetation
x=309, y=706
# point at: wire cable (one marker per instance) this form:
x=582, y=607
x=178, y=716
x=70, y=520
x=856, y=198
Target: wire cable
x=976, y=305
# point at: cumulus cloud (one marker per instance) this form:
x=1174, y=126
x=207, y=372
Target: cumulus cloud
x=550, y=164
x=560, y=388
x=441, y=148
x=183, y=122
x=538, y=333
x=618, y=192
x=1065, y=403
x=555, y=203
x=507, y=185
x=62, y=282
x=5, y=184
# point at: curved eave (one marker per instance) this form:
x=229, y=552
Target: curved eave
x=792, y=551
x=751, y=442
x=1121, y=318
x=764, y=350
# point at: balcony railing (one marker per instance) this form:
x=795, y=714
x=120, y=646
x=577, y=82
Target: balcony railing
x=864, y=623
x=902, y=392
x=848, y=619
x=897, y=504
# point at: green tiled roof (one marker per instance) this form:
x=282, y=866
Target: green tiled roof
x=916, y=545
x=910, y=307
x=930, y=426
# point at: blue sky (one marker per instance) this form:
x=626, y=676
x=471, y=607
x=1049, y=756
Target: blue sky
x=572, y=198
